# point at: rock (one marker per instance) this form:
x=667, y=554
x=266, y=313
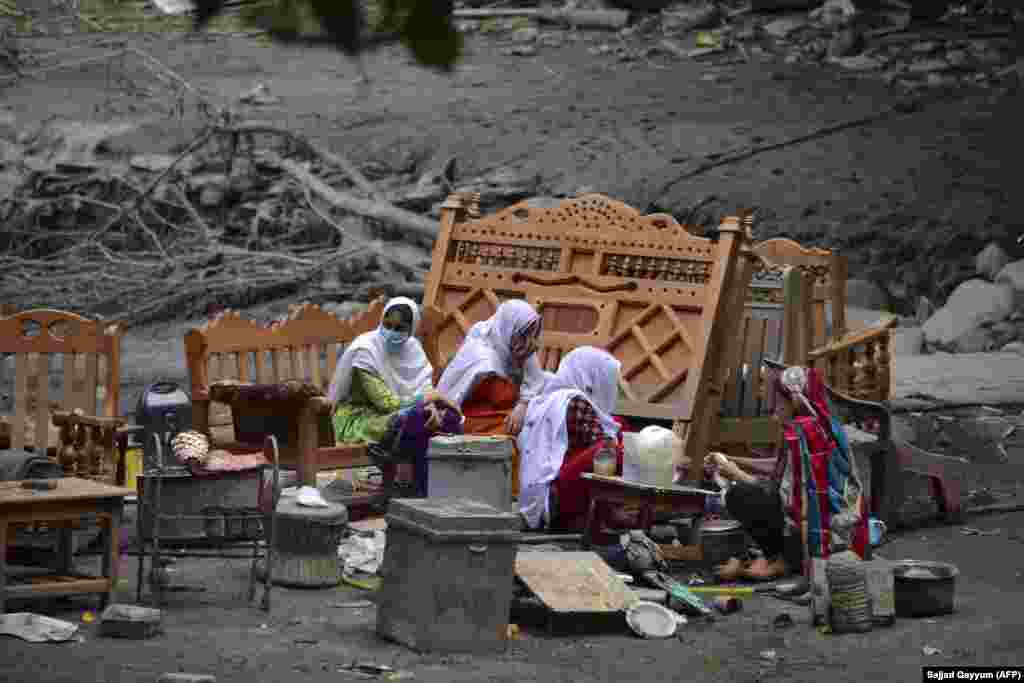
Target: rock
x=1014, y=347
x=783, y=28
x=1003, y=332
x=977, y=340
x=865, y=294
x=907, y=341
x=924, y=48
x=957, y=58
x=925, y=309
x=1012, y=275
x=211, y=196
x=259, y=96
x=990, y=261
x=520, y=51
x=835, y=13
x=186, y=678
x=527, y=34
x=970, y=304
x=927, y=66
x=858, y=63
x=845, y=43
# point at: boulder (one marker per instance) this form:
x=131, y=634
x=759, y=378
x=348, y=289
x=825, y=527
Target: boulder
x=866, y=294
x=970, y=304
x=907, y=341
x=1014, y=347
x=990, y=261
x=1012, y=275
x=976, y=340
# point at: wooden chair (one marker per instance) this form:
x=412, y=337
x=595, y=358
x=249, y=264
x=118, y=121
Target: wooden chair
x=62, y=372
x=230, y=355
x=666, y=303
x=856, y=362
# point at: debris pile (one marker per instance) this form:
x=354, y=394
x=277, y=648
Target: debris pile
x=245, y=213
x=973, y=43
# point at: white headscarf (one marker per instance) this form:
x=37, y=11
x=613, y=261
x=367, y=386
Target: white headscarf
x=407, y=372
x=586, y=372
x=485, y=350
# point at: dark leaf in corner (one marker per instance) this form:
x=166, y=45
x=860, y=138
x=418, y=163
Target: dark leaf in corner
x=205, y=11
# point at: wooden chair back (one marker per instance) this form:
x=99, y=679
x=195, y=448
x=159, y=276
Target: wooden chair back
x=666, y=303
x=51, y=361
x=304, y=346
x=776, y=327
x=828, y=271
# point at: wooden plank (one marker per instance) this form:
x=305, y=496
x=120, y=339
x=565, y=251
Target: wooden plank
x=333, y=353
x=316, y=374
x=573, y=582
x=749, y=431
x=281, y=364
x=754, y=355
x=242, y=366
x=42, y=403
x=91, y=382
x=21, y=373
x=261, y=366
x=68, y=489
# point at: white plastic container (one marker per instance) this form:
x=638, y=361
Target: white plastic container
x=474, y=467
x=648, y=456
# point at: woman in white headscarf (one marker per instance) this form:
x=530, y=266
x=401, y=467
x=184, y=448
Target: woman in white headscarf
x=382, y=387
x=565, y=428
x=495, y=372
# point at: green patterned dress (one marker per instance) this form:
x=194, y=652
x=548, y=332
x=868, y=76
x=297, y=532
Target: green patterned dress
x=365, y=416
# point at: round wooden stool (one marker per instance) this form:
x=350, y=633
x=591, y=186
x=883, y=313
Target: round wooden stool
x=306, y=544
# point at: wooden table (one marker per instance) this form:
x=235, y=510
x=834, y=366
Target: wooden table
x=71, y=501
x=609, y=491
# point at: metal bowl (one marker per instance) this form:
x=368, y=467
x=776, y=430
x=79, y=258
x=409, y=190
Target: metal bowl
x=923, y=588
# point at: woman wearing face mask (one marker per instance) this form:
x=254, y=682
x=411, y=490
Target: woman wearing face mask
x=382, y=389
x=564, y=430
x=495, y=372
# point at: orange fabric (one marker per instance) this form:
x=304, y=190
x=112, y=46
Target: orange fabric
x=489, y=404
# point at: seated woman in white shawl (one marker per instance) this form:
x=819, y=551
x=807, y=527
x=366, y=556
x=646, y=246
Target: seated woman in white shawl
x=382, y=388
x=564, y=429
x=496, y=372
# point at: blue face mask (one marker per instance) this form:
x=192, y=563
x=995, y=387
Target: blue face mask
x=394, y=340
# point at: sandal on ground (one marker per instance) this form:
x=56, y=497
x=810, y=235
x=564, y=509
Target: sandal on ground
x=773, y=571
x=732, y=570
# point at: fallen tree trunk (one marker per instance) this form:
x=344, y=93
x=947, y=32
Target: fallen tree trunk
x=375, y=209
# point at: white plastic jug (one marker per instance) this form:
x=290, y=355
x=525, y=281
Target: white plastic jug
x=648, y=455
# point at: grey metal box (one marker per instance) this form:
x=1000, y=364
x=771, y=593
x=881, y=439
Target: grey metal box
x=448, y=575
x=476, y=467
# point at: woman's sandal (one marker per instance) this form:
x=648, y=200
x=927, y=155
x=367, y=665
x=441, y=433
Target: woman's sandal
x=732, y=570
x=764, y=570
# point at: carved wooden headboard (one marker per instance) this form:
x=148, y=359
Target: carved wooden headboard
x=663, y=301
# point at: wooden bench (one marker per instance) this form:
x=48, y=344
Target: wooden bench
x=300, y=351
x=666, y=303
x=60, y=374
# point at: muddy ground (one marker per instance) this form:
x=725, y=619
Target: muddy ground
x=311, y=635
